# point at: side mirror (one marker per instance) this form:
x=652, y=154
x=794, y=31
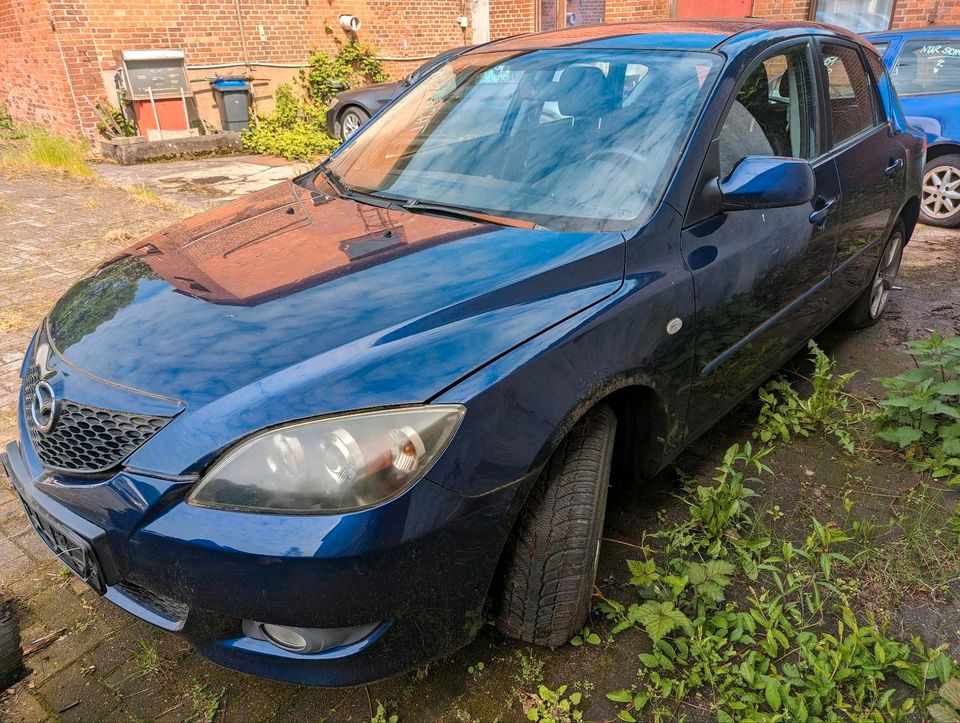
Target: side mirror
x=768, y=182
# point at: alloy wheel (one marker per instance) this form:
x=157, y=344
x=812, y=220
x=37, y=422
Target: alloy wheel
x=941, y=192
x=886, y=275
x=351, y=123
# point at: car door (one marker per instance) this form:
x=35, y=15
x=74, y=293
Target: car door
x=756, y=271
x=870, y=164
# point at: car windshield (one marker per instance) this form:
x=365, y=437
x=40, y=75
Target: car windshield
x=570, y=140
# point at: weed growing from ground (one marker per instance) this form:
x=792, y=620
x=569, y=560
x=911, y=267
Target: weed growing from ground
x=553, y=706
x=784, y=413
x=784, y=643
x=920, y=413
x=206, y=703
x=43, y=150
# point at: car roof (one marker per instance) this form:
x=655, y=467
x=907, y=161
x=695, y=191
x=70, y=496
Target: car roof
x=932, y=31
x=657, y=34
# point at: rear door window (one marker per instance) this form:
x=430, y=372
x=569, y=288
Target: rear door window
x=928, y=66
x=852, y=99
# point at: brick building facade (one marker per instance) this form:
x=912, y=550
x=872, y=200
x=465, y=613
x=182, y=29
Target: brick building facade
x=57, y=57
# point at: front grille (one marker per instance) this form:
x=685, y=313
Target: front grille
x=85, y=439
x=166, y=607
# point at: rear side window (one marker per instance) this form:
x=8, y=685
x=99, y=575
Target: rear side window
x=927, y=66
x=880, y=75
x=851, y=95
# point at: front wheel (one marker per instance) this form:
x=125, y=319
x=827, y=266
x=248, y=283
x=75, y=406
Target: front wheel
x=870, y=305
x=351, y=121
x=549, y=566
x=941, y=192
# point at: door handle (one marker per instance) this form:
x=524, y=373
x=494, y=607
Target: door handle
x=890, y=170
x=819, y=217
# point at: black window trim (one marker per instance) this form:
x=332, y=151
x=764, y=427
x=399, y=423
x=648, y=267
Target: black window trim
x=769, y=52
x=905, y=42
x=824, y=79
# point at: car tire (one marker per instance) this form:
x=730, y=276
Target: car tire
x=549, y=565
x=11, y=657
x=351, y=120
x=868, y=308
x=937, y=209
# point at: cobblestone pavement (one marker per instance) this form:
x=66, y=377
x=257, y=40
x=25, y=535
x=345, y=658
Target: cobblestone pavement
x=107, y=665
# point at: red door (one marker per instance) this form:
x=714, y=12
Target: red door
x=713, y=8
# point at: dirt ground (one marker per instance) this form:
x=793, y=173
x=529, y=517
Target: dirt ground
x=107, y=665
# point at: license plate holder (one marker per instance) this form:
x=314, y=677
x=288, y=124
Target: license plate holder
x=73, y=550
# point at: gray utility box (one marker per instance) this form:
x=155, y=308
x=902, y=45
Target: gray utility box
x=233, y=100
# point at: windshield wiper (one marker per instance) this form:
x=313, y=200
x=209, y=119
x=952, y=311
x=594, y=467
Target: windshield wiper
x=352, y=194
x=339, y=186
x=415, y=205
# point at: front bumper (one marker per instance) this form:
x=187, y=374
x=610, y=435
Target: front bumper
x=419, y=565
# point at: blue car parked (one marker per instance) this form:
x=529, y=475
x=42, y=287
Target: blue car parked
x=925, y=68
x=326, y=430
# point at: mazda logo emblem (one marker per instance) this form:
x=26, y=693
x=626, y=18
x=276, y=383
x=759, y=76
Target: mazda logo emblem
x=44, y=407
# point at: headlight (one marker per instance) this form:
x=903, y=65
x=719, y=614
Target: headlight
x=330, y=465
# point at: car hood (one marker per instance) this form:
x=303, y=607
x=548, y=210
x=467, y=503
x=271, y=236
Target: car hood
x=293, y=302
x=377, y=90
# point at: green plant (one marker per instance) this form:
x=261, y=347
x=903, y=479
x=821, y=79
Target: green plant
x=585, y=636
x=45, y=150
x=920, y=413
x=113, y=122
x=206, y=703
x=296, y=129
x=784, y=412
x=553, y=706
x=790, y=648
x=7, y=128
x=947, y=709
x=147, y=658
x=353, y=64
x=384, y=716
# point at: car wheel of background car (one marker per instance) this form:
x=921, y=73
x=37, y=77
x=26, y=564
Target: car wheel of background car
x=11, y=657
x=548, y=569
x=941, y=192
x=870, y=305
x=350, y=121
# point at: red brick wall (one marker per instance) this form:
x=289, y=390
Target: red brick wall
x=782, y=9
x=920, y=13
x=91, y=33
x=34, y=85
x=906, y=14
x=511, y=17
x=619, y=11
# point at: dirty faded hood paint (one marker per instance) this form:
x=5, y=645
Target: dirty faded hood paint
x=292, y=303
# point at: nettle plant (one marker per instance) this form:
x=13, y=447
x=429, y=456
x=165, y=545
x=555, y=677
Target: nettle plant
x=920, y=413
x=786, y=645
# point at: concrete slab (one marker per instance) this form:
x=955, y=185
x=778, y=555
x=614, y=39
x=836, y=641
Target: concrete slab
x=206, y=181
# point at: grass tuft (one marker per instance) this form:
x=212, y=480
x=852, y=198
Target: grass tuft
x=43, y=150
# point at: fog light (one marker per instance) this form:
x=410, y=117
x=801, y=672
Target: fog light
x=307, y=640
x=286, y=638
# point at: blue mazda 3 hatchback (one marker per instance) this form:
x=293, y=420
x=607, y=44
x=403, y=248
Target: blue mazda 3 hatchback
x=327, y=431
